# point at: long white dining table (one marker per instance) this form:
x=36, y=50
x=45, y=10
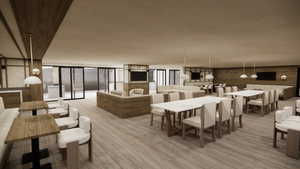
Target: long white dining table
x=175, y=107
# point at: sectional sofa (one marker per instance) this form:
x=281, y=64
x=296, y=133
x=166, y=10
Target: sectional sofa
x=285, y=92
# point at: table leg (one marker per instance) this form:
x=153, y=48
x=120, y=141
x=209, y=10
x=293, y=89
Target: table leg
x=34, y=112
x=169, y=123
x=27, y=157
x=36, y=155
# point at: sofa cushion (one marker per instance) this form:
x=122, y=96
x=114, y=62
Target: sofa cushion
x=70, y=135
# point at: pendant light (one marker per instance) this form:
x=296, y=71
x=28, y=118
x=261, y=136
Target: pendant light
x=33, y=79
x=244, y=75
x=209, y=76
x=254, y=76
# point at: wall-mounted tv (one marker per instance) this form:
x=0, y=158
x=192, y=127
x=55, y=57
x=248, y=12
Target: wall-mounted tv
x=195, y=76
x=266, y=76
x=138, y=76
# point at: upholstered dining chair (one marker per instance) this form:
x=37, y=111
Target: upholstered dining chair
x=272, y=100
x=82, y=134
x=220, y=92
x=68, y=122
x=173, y=96
x=227, y=89
x=237, y=111
x=224, y=116
x=188, y=94
x=235, y=88
x=277, y=94
x=297, y=107
x=283, y=120
x=62, y=111
x=157, y=98
x=206, y=120
x=263, y=103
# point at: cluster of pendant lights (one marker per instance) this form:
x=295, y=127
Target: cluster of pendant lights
x=245, y=76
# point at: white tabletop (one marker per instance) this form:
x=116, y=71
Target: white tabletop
x=246, y=93
x=188, y=104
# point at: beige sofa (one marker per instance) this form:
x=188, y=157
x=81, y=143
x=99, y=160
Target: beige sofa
x=124, y=106
x=7, y=117
x=177, y=88
x=285, y=92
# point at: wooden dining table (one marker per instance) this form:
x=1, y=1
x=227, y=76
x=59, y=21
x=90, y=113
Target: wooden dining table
x=33, y=106
x=179, y=106
x=33, y=127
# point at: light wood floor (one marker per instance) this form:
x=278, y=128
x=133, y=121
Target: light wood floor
x=134, y=144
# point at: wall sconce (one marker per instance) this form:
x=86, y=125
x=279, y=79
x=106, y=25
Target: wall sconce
x=283, y=77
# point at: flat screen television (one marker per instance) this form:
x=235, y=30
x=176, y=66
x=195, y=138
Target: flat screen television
x=195, y=76
x=266, y=76
x=138, y=76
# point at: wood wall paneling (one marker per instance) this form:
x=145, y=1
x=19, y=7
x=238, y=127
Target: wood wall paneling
x=231, y=76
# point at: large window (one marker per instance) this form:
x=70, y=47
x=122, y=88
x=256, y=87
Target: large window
x=174, y=77
x=161, y=77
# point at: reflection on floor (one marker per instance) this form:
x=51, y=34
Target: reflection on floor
x=133, y=144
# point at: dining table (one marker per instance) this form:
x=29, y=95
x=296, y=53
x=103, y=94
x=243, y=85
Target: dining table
x=34, y=106
x=179, y=106
x=33, y=127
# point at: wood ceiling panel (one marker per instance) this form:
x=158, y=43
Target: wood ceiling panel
x=42, y=19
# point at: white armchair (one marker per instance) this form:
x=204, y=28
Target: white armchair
x=68, y=122
x=263, y=103
x=82, y=134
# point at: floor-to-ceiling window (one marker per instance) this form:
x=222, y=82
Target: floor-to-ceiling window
x=51, y=82
x=161, y=77
x=174, y=77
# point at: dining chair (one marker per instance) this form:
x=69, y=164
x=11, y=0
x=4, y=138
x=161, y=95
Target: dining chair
x=206, y=120
x=174, y=96
x=277, y=94
x=298, y=107
x=61, y=111
x=237, y=111
x=283, y=119
x=272, y=100
x=224, y=116
x=227, y=89
x=82, y=134
x=235, y=89
x=220, y=92
x=262, y=103
x=157, y=98
x=210, y=88
x=188, y=94
x=68, y=122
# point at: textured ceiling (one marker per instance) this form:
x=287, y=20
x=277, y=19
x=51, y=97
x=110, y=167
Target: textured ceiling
x=265, y=32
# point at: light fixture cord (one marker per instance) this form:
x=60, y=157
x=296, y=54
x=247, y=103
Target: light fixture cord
x=30, y=47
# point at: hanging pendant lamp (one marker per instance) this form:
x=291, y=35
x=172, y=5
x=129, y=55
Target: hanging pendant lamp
x=209, y=76
x=244, y=75
x=31, y=80
x=254, y=75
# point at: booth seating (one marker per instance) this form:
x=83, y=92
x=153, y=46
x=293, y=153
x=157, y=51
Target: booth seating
x=7, y=117
x=177, y=88
x=81, y=134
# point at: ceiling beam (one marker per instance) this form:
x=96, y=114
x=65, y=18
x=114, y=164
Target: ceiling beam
x=8, y=29
x=42, y=19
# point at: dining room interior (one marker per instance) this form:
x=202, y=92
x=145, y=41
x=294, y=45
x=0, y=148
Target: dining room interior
x=149, y=84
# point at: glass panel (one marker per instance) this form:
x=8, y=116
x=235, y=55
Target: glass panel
x=171, y=77
x=65, y=82
x=50, y=83
x=77, y=83
x=161, y=77
x=177, y=77
x=111, y=76
x=119, y=79
x=103, y=82
x=90, y=82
